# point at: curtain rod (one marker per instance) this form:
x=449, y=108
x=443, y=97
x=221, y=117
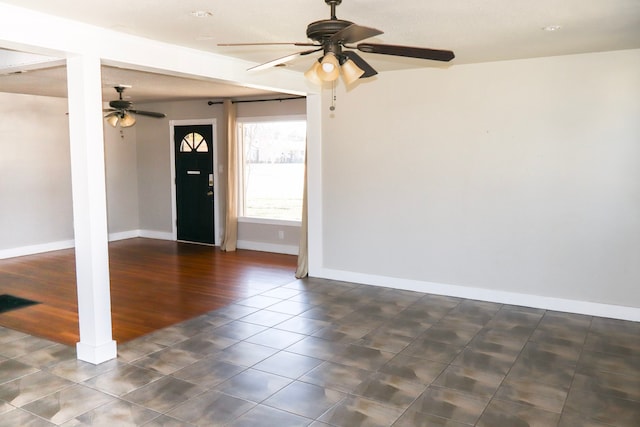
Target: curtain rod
x=257, y=100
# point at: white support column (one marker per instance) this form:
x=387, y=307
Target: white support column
x=89, y=209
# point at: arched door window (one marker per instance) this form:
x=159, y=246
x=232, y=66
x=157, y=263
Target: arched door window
x=193, y=142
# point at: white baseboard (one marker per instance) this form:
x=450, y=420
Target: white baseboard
x=267, y=247
x=502, y=297
x=36, y=249
x=68, y=244
x=152, y=234
x=123, y=235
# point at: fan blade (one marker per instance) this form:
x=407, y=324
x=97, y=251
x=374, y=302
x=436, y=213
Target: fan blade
x=354, y=33
x=412, y=52
x=282, y=60
x=111, y=111
x=269, y=44
x=148, y=113
x=357, y=59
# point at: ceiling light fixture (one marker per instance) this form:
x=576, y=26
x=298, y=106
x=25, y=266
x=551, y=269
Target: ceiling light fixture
x=123, y=118
x=552, y=28
x=120, y=111
x=330, y=66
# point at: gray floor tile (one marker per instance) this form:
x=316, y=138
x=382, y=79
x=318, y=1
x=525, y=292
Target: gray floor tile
x=344, y=334
x=18, y=417
x=253, y=385
x=317, y=347
x=418, y=419
x=23, y=346
x=356, y=411
x=239, y=330
x=543, y=396
x=265, y=416
x=12, y=369
x=293, y=308
x=306, y=400
x=168, y=360
x=276, y=338
x=508, y=414
x=450, y=404
x=470, y=380
x=389, y=390
x=259, y=301
x=211, y=409
x=31, y=387
x=432, y=350
x=266, y=318
x=209, y=372
x=79, y=371
x=246, y=354
x=68, y=403
x=5, y=407
x=413, y=369
x=164, y=394
x=8, y=335
x=336, y=376
x=604, y=408
x=123, y=379
x=166, y=421
x=617, y=385
x=49, y=356
x=362, y=357
x=290, y=365
x=385, y=339
x=281, y=293
x=118, y=413
x=325, y=353
x=205, y=344
x=302, y=325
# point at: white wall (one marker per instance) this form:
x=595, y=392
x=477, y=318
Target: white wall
x=499, y=180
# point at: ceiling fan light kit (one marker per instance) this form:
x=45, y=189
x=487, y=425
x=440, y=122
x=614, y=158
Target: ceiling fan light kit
x=121, y=113
x=335, y=38
x=127, y=120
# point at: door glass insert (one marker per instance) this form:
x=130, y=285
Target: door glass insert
x=193, y=142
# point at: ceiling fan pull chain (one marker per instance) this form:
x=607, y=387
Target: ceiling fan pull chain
x=333, y=96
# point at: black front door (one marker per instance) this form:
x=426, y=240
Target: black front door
x=194, y=182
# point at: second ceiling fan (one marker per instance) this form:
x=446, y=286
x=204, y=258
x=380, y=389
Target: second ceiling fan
x=335, y=37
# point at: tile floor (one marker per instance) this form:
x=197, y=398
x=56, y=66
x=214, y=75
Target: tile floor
x=321, y=353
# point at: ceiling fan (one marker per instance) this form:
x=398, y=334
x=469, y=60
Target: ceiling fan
x=121, y=111
x=335, y=37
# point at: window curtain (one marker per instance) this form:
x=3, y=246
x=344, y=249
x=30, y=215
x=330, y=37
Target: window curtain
x=231, y=220
x=303, y=251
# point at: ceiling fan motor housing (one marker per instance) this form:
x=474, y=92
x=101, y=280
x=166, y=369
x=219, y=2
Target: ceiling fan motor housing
x=323, y=30
x=120, y=104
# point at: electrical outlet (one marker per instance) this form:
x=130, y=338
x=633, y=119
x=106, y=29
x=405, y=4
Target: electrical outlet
x=280, y=234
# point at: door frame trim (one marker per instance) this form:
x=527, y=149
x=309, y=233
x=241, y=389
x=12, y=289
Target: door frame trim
x=216, y=205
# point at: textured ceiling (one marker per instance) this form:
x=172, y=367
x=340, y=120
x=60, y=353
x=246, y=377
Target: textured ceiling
x=476, y=30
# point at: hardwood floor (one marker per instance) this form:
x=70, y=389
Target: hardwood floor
x=154, y=284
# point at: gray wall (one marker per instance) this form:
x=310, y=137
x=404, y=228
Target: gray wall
x=154, y=166
x=35, y=177
x=35, y=187
x=517, y=177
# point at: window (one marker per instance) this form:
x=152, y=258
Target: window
x=271, y=172
x=193, y=142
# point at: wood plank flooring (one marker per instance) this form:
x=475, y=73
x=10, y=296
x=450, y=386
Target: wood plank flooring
x=154, y=284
